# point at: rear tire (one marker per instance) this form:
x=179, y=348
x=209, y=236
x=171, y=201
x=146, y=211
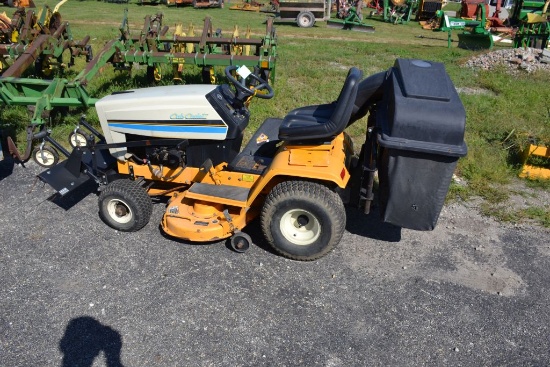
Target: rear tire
x=303, y=220
x=125, y=206
x=305, y=19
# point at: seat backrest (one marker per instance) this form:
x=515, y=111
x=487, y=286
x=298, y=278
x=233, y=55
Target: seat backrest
x=346, y=101
x=308, y=125
x=369, y=91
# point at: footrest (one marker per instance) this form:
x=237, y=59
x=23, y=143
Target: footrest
x=250, y=164
x=223, y=194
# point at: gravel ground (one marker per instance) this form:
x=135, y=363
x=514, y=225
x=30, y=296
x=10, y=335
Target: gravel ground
x=515, y=60
x=78, y=293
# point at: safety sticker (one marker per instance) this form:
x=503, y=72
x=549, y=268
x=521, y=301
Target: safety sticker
x=262, y=139
x=248, y=178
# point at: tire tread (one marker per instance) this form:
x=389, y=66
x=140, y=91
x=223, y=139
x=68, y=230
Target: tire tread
x=129, y=190
x=314, y=191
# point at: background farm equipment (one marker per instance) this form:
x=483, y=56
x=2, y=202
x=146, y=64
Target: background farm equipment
x=470, y=8
x=38, y=39
x=19, y=3
x=523, y=9
x=349, y=18
x=533, y=24
x=247, y=5
x=304, y=12
x=393, y=11
x=205, y=50
x=196, y=3
x=427, y=9
x=400, y=11
x=207, y=4
x=177, y=3
x=475, y=35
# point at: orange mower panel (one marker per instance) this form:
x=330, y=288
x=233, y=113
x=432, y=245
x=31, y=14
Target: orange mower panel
x=212, y=211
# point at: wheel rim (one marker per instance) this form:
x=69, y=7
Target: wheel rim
x=305, y=21
x=300, y=227
x=78, y=140
x=119, y=211
x=44, y=157
x=240, y=243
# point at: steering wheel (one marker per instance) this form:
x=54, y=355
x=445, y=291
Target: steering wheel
x=250, y=90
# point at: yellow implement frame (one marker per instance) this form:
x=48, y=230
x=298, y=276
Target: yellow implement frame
x=532, y=171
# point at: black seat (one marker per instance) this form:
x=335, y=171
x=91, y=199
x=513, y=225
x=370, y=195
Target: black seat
x=322, y=122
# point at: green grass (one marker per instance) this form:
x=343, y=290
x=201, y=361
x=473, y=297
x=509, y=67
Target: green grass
x=312, y=64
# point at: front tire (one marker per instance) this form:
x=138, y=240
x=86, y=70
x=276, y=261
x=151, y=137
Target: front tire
x=303, y=220
x=125, y=206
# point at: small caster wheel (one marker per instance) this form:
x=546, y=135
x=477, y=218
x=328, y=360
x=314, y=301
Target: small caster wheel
x=240, y=242
x=77, y=139
x=45, y=156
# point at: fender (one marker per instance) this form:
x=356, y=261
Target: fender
x=327, y=162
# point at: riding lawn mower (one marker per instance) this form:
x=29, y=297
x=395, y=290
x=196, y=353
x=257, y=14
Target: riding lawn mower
x=296, y=173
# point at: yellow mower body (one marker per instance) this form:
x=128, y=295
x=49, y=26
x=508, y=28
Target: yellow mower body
x=221, y=203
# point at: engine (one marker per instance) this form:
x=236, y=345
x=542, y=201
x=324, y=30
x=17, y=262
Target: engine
x=167, y=157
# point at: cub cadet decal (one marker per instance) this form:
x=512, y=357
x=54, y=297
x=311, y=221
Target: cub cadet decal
x=189, y=116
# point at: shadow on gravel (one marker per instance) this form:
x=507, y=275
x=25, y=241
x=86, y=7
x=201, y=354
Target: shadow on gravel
x=371, y=226
x=6, y=167
x=74, y=197
x=84, y=340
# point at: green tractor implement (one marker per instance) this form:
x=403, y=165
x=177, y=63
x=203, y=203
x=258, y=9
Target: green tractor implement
x=400, y=11
x=474, y=36
x=394, y=11
x=350, y=19
x=523, y=8
x=38, y=38
x=533, y=24
x=206, y=50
